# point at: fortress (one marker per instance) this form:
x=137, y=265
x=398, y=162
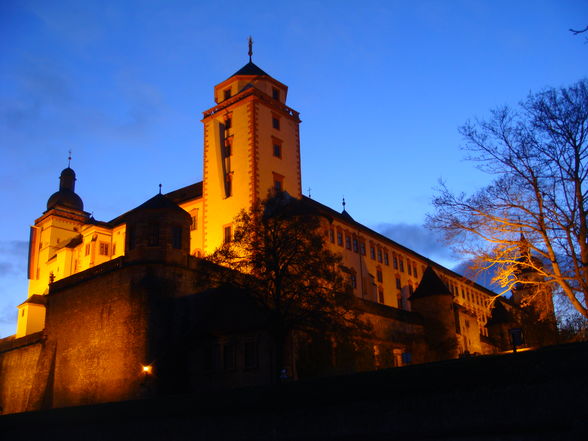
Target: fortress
x=110, y=301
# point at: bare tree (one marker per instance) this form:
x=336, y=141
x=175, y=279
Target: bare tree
x=579, y=31
x=280, y=248
x=532, y=218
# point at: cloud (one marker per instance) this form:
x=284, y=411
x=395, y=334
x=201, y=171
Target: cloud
x=39, y=88
x=13, y=256
x=467, y=269
x=419, y=239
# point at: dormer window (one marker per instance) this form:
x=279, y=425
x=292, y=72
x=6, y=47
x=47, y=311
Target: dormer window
x=275, y=93
x=227, y=93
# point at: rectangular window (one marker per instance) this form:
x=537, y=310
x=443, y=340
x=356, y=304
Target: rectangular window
x=339, y=238
x=408, y=267
x=228, y=123
x=401, y=263
x=227, y=93
x=381, y=295
x=194, y=222
x=132, y=237
x=87, y=252
x=177, y=237
x=395, y=261
x=372, y=252
x=275, y=93
x=379, y=276
x=103, y=250
x=332, y=235
x=228, y=148
x=355, y=245
x=398, y=283
x=277, y=151
x=276, y=123
x=229, y=356
x=353, y=280
x=228, y=185
x=278, y=183
x=227, y=234
x=250, y=359
x=153, y=234
x=386, y=258
x=379, y=255
x=362, y=248
x=347, y=242
x=414, y=270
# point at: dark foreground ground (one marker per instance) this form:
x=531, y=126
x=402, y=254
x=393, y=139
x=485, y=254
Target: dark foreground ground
x=535, y=395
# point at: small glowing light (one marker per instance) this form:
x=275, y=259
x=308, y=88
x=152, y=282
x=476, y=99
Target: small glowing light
x=147, y=369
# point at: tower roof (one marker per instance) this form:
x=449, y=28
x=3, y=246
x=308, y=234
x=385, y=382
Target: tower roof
x=250, y=69
x=431, y=285
x=66, y=196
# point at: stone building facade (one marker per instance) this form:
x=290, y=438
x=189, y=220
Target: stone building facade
x=115, y=310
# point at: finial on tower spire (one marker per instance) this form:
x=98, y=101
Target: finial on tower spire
x=159, y=188
x=250, y=48
x=69, y=159
x=344, y=203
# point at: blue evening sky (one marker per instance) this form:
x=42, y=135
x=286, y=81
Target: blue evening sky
x=382, y=87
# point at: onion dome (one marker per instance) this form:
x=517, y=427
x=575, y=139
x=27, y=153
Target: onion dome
x=66, y=196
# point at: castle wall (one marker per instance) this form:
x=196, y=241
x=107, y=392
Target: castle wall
x=99, y=327
x=18, y=368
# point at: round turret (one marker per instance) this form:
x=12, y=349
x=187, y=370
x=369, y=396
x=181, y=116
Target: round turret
x=66, y=196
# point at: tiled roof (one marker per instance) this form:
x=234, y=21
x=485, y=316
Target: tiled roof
x=250, y=69
x=431, y=285
x=186, y=193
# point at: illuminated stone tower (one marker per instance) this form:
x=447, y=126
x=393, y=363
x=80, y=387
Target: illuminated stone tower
x=251, y=146
x=51, y=250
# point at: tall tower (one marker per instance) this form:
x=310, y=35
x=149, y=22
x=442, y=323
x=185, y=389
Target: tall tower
x=51, y=250
x=251, y=146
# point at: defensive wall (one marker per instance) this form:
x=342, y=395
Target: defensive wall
x=533, y=395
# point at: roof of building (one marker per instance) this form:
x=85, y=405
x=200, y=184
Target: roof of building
x=157, y=202
x=35, y=299
x=431, y=285
x=75, y=241
x=66, y=196
x=328, y=212
x=193, y=191
x=250, y=69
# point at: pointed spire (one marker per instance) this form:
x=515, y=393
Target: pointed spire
x=250, y=48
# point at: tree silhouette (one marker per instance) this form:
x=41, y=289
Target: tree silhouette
x=279, y=256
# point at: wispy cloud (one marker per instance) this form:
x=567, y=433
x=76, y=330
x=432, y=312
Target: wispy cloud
x=13, y=263
x=39, y=88
x=419, y=239
x=468, y=269
x=13, y=255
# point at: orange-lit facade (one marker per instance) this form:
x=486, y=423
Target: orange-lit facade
x=95, y=273
x=251, y=146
